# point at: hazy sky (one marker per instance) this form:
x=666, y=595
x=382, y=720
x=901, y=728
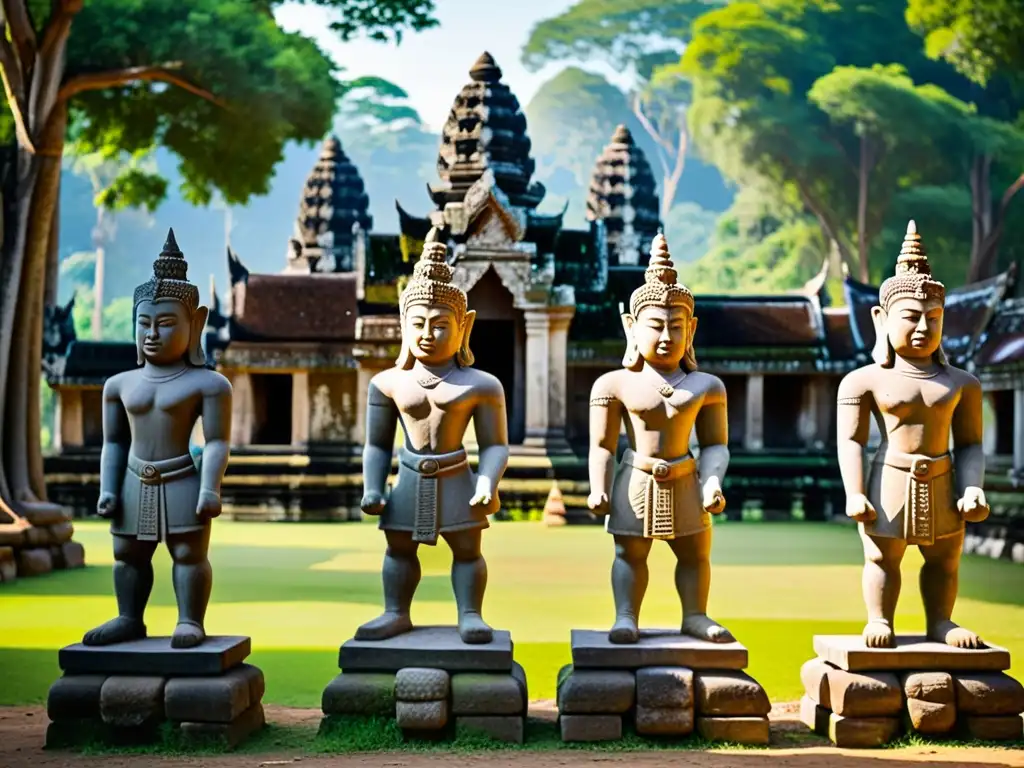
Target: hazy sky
x=433, y=65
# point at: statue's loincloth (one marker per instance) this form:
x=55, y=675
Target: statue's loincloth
x=914, y=497
x=158, y=498
x=432, y=496
x=656, y=498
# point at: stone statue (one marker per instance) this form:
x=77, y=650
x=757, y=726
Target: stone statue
x=659, y=491
x=915, y=492
x=433, y=392
x=151, y=488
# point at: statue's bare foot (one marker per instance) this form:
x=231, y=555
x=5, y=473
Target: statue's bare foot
x=878, y=634
x=953, y=634
x=624, y=631
x=702, y=627
x=474, y=630
x=187, y=634
x=386, y=625
x=119, y=630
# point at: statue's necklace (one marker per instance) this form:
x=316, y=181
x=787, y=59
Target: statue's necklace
x=165, y=378
x=429, y=380
x=666, y=389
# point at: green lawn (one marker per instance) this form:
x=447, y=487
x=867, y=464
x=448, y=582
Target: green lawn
x=300, y=590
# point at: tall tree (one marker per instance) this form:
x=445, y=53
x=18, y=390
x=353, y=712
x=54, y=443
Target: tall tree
x=220, y=86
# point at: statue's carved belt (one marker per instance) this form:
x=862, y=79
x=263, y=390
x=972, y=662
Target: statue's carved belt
x=659, y=502
x=919, y=512
x=429, y=468
x=153, y=475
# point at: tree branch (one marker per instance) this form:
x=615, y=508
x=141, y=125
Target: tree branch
x=638, y=110
x=14, y=88
x=62, y=12
x=98, y=81
x=990, y=244
x=22, y=33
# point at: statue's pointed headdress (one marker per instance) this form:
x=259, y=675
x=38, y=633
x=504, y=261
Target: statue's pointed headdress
x=913, y=275
x=661, y=287
x=169, y=279
x=431, y=281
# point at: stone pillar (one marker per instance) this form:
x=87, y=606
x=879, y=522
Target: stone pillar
x=241, y=408
x=1018, y=431
x=753, y=432
x=300, y=408
x=558, y=343
x=538, y=376
x=68, y=430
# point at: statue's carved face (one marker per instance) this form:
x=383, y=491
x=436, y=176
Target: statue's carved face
x=163, y=330
x=433, y=334
x=663, y=334
x=914, y=327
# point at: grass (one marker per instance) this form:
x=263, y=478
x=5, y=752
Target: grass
x=301, y=590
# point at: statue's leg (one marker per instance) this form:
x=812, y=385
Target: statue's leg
x=629, y=583
x=193, y=581
x=693, y=583
x=940, y=576
x=133, y=581
x=401, y=574
x=881, y=585
x=469, y=581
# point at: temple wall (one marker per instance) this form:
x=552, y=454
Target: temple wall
x=332, y=402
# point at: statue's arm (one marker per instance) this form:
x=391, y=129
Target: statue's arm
x=605, y=422
x=853, y=428
x=490, y=419
x=968, y=453
x=712, y=428
x=381, y=423
x=117, y=439
x=216, y=433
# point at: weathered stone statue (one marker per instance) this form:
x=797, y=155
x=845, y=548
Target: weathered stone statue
x=151, y=488
x=915, y=491
x=659, y=490
x=433, y=392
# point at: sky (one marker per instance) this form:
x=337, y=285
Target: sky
x=432, y=66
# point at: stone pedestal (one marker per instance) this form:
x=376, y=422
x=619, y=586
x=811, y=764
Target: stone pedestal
x=126, y=693
x=665, y=685
x=432, y=684
x=866, y=697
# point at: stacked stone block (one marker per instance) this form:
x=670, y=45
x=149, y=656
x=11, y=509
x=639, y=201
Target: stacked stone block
x=665, y=685
x=866, y=697
x=42, y=547
x=127, y=693
x=433, y=684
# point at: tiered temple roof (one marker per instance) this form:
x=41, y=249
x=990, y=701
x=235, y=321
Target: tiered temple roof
x=623, y=194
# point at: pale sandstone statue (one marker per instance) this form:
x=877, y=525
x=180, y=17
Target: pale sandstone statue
x=151, y=487
x=915, y=492
x=659, y=491
x=433, y=392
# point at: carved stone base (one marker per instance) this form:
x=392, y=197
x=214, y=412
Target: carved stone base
x=866, y=697
x=665, y=685
x=124, y=694
x=433, y=684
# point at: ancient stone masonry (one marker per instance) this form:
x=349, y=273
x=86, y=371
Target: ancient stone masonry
x=667, y=684
x=867, y=697
x=432, y=683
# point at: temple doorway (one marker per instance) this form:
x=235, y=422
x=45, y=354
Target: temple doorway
x=272, y=408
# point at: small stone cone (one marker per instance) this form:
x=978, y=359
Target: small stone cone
x=554, y=508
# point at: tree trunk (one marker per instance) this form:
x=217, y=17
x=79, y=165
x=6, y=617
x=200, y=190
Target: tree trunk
x=863, y=174
x=984, y=266
x=97, y=288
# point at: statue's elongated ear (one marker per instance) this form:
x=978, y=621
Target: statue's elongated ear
x=405, y=359
x=631, y=359
x=882, y=352
x=196, y=356
x=464, y=357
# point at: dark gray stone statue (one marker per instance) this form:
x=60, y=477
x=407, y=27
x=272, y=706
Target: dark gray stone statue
x=151, y=488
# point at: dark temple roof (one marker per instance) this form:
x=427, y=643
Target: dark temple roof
x=93, y=362
x=1002, y=343
x=313, y=307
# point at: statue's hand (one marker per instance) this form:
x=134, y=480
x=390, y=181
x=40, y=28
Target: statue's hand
x=484, y=496
x=372, y=503
x=859, y=508
x=973, y=506
x=714, y=499
x=597, y=502
x=107, y=505
x=209, y=506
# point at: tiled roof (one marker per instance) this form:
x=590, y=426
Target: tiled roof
x=314, y=307
x=1002, y=343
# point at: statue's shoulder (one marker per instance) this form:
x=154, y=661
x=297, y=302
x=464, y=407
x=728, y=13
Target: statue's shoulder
x=707, y=383
x=860, y=381
x=610, y=385
x=112, y=386
x=212, y=383
x=963, y=379
x=483, y=383
x=385, y=381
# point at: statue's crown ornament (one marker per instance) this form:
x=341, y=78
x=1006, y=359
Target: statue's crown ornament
x=169, y=279
x=431, y=281
x=661, y=287
x=913, y=274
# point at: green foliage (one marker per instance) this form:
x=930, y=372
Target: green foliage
x=78, y=270
x=373, y=103
x=690, y=229
x=378, y=19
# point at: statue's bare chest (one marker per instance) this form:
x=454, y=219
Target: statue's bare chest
x=420, y=403
x=658, y=407
x=907, y=399
x=142, y=396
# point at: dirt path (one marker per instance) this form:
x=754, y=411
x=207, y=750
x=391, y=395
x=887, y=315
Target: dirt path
x=22, y=730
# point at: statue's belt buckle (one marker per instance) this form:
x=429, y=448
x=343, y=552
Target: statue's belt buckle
x=661, y=470
x=150, y=474
x=921, y=467
x=429, y=467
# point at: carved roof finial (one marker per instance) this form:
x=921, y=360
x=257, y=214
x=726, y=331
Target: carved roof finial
x=485, y=70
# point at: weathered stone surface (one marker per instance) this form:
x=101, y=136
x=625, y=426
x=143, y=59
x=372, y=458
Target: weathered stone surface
x=154, y=656
x=814, y=676
x=857, y=732
x=509, y=728
x=480, y=693
x=61, y=532
x=519, y=675
x=38, y=536
x=132, y=701
x=664, y=721
x=988, y=694
x=930, y=717
x=422, y=715
x=931, y=701
x=73, y=554
x=421, y=684
x=14, y=539
x=592, y=691
x=590, y=727
x=34, y=562
x=257, y=686
x=219, y=699
x=730, y=694
x=591, y=649
x=360, y=693
x=912, y=653
x=736, y=730
x=8, y=564
x=75, y=697
x=431, y=647
x=664, y=687
x=814, y=716
x=229, y=734
x=864, y=694
x=993, y=727
x=57, y=557
x=65, y=733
